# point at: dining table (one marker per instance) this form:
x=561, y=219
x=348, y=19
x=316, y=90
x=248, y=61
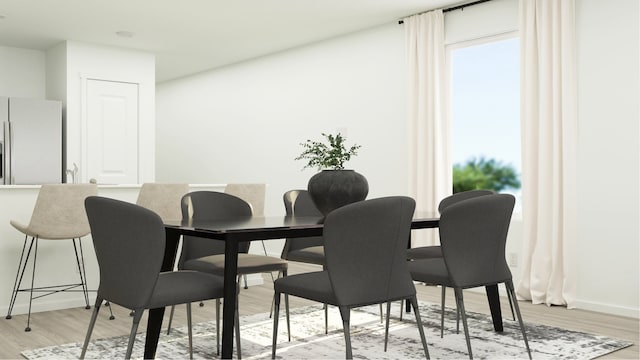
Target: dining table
x=233, y=232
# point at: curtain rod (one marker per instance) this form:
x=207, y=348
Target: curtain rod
x=458, y=7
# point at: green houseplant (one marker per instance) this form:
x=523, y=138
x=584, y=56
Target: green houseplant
x=333, y=186
x=327, y=156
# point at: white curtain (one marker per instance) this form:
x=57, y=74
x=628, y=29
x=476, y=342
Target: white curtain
x=549, y=145
x=429, y=135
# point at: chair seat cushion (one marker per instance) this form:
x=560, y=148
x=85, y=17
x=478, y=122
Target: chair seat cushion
x=424, y=252
x=430, y=271
x=313, y=286
x=311, y=255
x=247, y=264
x=179, y=287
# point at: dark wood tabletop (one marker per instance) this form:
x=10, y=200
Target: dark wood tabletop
x=233, y=231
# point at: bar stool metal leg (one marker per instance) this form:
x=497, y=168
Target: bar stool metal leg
x=33, y=276
x=19, y=274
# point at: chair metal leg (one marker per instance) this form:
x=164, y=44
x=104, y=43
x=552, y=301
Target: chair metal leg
x=511, y=291
x=92, y=323
x=386, y=328
x=217, y=326
x=19, y=274
x=22, y=265
x=414, y=304
x=173, y=308
x=33, y=276
x=460, y=306
x=81, y=270
x=345, y=313
x=444, y=295
x=276, y=315
x=137, y=315
x=237, y=320
x=381, y=314
x=189, y=331
x=511, y=300
x=111, y=316
x=284, y=273
x=286, y=307
x=326, y=319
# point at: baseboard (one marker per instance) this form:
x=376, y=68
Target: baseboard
x=253, y=280
x=49, y=305
x=59, y=304
x=608, y=309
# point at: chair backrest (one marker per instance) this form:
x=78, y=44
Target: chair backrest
x=464, y=195
x=254, y=194
x=59, y=211
x=473, y=236
x=299, y=203
x=163, y=199
x=210, y=205
x=365, y=250
x=129, y=242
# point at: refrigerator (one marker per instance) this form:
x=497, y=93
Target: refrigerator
x=30, y=141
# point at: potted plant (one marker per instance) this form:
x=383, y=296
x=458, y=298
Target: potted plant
x=333, y=186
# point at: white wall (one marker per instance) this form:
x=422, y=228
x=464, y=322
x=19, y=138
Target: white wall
x=609, y=155
x=22, y=73
x=243, y=123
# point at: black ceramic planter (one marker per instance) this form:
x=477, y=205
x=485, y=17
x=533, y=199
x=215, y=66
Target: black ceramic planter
x=331, y=189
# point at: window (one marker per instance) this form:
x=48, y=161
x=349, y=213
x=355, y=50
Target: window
x=485, y=113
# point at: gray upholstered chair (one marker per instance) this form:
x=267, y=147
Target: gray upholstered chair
x=308, y=249
x=57, y=215
x=427, y=252
x=163, y=199
x=435, y=251
x=254, y=195
x=353, y=277
x=129, y=241
x=207, y=255
x=473, y=235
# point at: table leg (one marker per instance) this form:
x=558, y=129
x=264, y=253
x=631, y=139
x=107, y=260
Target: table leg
x=230, y=293
x=494, y=304
x=154, y=322
x=154, y=325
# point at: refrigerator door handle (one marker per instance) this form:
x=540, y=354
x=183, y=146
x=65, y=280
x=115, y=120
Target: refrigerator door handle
x=2, y=162
x=8, y=154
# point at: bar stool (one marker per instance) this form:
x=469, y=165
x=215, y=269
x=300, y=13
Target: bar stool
x=57, y=215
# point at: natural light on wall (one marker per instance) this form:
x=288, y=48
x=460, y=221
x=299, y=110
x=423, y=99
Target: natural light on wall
x=485, y=113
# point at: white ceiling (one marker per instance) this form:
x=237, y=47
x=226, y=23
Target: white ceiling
x=189, y=36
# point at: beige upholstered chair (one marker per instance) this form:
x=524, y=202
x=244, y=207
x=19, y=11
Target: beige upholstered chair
x=254, y=194
x=163, y=199
x=58, y=215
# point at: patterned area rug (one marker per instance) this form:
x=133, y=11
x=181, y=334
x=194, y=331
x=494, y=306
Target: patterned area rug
x=308, y=340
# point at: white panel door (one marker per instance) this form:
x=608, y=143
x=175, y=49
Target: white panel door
x=112, y=132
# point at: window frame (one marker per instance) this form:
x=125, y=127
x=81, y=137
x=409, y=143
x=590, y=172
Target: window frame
x=449, y=49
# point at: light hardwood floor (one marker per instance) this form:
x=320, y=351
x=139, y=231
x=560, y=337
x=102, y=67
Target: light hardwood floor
x=64, y=326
